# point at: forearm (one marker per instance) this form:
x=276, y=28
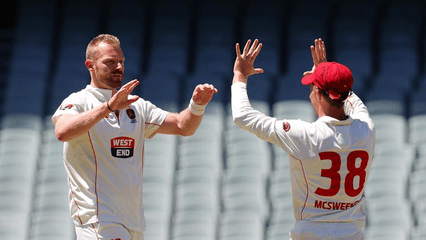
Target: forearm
x=69, y=126
x=355, y=107
x=188, y=122
x=184, y=123
x=239, y=77
x=248, y=118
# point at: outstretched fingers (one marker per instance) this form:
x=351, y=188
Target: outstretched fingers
x=320, y=50
x=257, y=50
x=238, y=50
x=130, y=86
x=246, y=47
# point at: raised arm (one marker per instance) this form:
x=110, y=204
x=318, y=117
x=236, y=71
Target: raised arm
x=243, y=66
x=243, y=114
x=319, y=54
x=70, y=126
x=187, y=122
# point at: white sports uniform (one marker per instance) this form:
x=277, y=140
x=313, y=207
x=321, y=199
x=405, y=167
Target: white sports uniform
x=329, y=165
x=105, y=165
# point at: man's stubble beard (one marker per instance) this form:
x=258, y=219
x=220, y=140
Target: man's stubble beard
x=110, y=79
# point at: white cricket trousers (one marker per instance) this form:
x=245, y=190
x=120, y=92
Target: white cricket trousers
x=308, y=230
x=106, y=231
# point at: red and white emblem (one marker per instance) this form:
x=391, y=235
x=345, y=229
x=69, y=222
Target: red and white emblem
x=286, y=126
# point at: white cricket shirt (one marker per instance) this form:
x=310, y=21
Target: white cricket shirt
x=105, y=165
x=329, y=159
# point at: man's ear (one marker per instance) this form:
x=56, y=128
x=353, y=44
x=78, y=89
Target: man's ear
x=89, y=64
x=318, y=93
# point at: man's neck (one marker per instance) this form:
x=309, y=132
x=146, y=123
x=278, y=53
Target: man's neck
x=337, y=113
x=93, y=84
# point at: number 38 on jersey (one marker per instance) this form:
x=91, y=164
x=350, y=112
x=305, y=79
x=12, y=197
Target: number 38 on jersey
x=355, y=173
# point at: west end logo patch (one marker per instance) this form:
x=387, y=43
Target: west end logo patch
x=122, y=147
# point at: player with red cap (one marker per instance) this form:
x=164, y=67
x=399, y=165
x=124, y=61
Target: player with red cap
x=330, y=159
x=333, y=78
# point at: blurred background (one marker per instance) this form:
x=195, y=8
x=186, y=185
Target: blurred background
x=222, y=183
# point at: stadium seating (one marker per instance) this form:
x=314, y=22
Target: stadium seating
x=222, y=183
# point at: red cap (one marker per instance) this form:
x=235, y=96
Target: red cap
x=333, y=77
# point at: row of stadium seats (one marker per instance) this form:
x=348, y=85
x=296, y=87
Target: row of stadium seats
x=198, y=40
x=220, y=174
x=222, y=183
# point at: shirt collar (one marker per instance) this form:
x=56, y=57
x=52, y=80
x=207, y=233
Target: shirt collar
x=100, y=93
x=336, y=122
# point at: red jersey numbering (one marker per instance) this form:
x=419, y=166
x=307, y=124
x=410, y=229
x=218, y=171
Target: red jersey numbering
x=122, y=147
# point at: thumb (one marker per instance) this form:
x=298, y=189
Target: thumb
x=133, y=99
x=258, y=70
x=307, y=73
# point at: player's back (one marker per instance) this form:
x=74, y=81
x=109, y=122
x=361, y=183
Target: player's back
x=329, y=173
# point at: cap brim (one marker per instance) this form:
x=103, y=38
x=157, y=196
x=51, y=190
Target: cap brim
x=306, y=80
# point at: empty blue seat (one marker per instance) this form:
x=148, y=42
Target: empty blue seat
x=417, y=129
x=352, y=32
x=259, y=8
x=214, y=60
x=224, y=9
x=214, y=31
x=31, y=57
x=304, y=29
x=359, y=60
x=390, y=128
x=385, y=100
x=169, y=38
x=265, y=28
x=168, y=58
x=399, y=66
x=259, y=87
x=399, y=32
x=162, y=89
x=35, y=27
x=299, y=60
x=290, y=87
x=65, y=83
x=25, y=94
x=417, y=103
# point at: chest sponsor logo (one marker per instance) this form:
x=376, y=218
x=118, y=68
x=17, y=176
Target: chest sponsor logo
x=122, y=147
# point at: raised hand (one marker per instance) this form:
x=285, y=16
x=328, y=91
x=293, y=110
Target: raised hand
x=203, y=93
x=121, y=99
x=319, y=54
x=244, y=62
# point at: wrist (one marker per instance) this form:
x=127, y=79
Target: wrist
x=239, y=77
x=109, y=107
x=196, y=109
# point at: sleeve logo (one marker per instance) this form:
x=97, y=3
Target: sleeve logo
x=64, y=107
x=122, y=147
x=286, y=126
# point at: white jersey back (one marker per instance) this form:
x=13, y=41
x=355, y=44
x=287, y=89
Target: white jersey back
x=105, y=165
x=329, y=159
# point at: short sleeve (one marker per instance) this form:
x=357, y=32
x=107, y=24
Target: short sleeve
x=73, y=105
x=154, y=117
